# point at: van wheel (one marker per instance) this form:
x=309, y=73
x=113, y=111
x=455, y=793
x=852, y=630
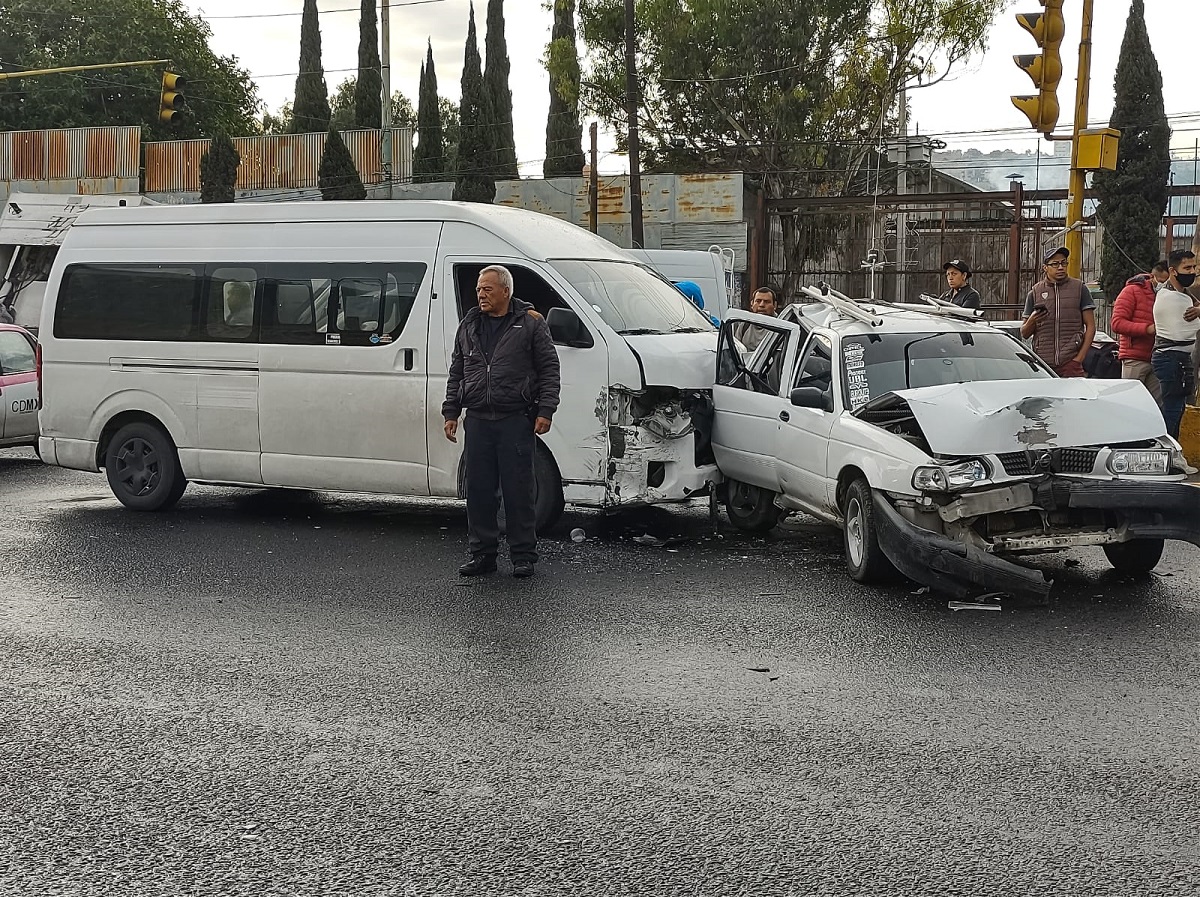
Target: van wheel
x=1135, y=556
x=548, y=501
x=143, y=468
x=751, y=508
x=865, y=560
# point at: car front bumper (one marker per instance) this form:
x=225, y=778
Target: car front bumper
x=1147, y=510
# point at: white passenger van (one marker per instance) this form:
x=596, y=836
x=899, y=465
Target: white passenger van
x=306, y=345
x=712, y=271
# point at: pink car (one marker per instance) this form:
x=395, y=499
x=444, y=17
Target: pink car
x=18, y=387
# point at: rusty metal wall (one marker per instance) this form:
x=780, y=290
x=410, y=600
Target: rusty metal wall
x=73, y=160
x=283, y=162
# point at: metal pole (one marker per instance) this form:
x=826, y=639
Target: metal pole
x=631, y=109
x=593, y=183
x=1014, y=245
x=33, y=73
x=385, y=71
x=901, y=190
x=1074, y=241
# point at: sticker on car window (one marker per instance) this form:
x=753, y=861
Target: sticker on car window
x=854, y=358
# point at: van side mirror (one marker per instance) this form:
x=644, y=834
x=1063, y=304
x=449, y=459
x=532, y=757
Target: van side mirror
x=811, y=397
x=568, y=329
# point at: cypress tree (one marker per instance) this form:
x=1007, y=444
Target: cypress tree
x=218, y=171
x=368, y=92
x=1134, y=197
x=429, y=158
x=495, y=79
x=475, y=179
x=310, y=110
x=339, y=179
x=564, y=135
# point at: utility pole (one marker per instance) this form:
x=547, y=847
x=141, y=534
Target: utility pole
x=34, y=73
x=593, y=184
x=631, y=109
x=385, y=72
x=901, y=190
x=1074, y=240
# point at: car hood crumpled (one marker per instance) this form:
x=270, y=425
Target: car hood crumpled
x=997, y=416
x=683, y=360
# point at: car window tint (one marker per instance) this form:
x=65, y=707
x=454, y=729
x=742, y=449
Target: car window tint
x=128, y=302
x=231, y=292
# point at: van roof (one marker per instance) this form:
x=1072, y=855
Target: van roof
x=537, y=235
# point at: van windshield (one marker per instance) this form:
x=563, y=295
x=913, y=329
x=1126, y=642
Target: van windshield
x=631, y=299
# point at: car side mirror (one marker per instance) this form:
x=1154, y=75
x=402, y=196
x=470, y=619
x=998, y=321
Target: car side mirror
x=810, y=397
x=568, y=329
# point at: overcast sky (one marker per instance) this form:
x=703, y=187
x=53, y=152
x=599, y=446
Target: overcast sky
x=266, y=42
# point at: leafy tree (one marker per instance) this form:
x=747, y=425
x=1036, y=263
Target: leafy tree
x=368, y=93
x=429, y=158
x=337, y=176
x=475, y=179
x=277, y=122
x=39, y=34
x=796, y=93
x=342, y=109
x=1133, y=198
x=495, y=80
x=451, y=134
x=310, y=109
x=564, y=136
x=218, y=171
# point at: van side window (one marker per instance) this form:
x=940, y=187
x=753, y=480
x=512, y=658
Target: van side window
x=231, y=293
x=129, y=302
x=527, y=285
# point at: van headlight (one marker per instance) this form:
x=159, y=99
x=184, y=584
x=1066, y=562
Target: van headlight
x=949, y=477
x=1131, y=461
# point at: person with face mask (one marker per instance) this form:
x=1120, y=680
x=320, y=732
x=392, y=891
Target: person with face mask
x=1176, y=323
x=1160, y=274
x=1133, y=323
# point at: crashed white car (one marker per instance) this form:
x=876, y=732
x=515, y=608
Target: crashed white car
x=942, y=447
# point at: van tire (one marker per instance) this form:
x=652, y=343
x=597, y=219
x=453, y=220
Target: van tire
x=865, y=560
x=751, y=508
x=143, y=469
x=548, y=501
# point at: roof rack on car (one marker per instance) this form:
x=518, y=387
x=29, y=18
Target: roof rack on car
x=842, y=304
x=932, y=305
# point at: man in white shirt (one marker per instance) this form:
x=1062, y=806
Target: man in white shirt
x=1176, y=324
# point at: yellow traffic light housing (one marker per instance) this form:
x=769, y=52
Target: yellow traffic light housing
x=1045, y=70
x=170, y=98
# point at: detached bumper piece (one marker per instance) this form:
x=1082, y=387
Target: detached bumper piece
x=959, y=570
x=1150, y=510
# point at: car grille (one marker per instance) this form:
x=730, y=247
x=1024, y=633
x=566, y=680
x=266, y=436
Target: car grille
x=1073, y=460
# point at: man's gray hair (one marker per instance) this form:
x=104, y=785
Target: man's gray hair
x=504, y=275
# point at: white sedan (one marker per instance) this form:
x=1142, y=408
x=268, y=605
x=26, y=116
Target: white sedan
x=941, y=447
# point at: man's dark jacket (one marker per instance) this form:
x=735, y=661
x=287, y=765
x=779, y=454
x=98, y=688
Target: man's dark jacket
x=520, y=377
x=966, y=297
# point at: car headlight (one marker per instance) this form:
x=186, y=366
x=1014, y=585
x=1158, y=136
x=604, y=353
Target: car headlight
x=949, y=477
x=1139, y=462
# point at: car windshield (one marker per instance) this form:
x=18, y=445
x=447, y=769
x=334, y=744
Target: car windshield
x=631, y=299
x=876, y=364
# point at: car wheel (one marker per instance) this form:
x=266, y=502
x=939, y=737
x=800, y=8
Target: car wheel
x=548, y=501
x=143, y=468
x=864, y=558
x=1135, y=556
x=750, y=508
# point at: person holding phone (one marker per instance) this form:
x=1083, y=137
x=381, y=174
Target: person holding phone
x=1060, y=316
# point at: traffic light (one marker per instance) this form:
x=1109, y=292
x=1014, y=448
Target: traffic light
x=1045, y=69
x=171, y=99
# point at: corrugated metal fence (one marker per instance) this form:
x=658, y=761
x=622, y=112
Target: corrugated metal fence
x=72, y=160
x=279, y=162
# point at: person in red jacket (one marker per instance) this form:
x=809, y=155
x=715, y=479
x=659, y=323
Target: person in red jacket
x=1133, y=322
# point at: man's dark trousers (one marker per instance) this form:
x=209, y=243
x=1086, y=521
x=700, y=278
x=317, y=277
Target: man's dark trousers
x=500, y=457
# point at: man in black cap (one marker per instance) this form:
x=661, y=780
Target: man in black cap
x=1060, y=315
x=958, y=279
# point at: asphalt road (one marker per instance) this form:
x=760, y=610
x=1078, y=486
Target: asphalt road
x=274, y=693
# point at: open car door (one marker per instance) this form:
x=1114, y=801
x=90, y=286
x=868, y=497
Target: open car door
x=748, y=396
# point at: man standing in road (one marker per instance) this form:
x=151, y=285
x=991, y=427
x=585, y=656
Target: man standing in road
x=958, y=279
x=504, y=374
x=1133, y=322
x=1176, y=323
x=1060, y=315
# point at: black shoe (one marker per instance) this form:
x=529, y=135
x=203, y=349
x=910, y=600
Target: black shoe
x=478, y=566
x=522, y=570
